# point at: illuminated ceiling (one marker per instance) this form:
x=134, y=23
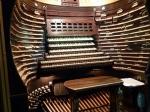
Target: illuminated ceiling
x=81, y=2
x=95, y=2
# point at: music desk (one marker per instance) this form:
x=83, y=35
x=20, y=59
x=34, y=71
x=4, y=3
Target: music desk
x=84, y=84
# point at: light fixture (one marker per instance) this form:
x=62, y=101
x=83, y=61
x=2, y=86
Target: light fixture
x=103, y=8
x=36, y=4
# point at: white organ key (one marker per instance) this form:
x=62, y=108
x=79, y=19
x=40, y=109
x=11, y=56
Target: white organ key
x=72, y=50
x=76, y=59
x=76, y=54
x=70, y=39
x=72, y=44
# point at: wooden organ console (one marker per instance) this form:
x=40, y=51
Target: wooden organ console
x=54, y=44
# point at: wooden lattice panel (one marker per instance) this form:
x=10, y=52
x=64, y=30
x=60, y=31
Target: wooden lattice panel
x=71, y=26
x=91, y=102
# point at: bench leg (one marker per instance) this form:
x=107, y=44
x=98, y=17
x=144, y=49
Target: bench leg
x=116, y=97
x=74, y=103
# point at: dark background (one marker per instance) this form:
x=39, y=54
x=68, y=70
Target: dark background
x=18, y=93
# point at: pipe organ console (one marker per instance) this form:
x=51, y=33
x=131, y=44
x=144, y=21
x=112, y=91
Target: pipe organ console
x=54, y=44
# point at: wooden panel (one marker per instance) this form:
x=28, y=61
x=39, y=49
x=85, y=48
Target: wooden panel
x=92, y=82
x=70, y=2
x=95, y=101
x=71, y=26
x=125, y=36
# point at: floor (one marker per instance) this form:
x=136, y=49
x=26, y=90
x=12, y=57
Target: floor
x=130, y=109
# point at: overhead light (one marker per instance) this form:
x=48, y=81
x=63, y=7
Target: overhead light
x=44, y=7
x=103, y=8
x=36, y=4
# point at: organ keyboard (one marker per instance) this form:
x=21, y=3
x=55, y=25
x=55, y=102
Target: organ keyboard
x=73, y=52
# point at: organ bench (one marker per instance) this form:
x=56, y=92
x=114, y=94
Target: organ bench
x=77, y=86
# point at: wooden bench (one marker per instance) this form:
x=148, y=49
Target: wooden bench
x=84, y=84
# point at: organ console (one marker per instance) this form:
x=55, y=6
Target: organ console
x=68, y=56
